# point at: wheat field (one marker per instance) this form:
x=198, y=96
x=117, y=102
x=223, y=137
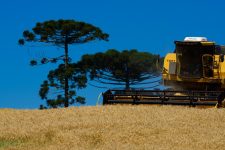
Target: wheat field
x=113, y=127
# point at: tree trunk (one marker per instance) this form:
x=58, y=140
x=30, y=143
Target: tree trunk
x=127, y=85
x=127, y=77
x=66, y=92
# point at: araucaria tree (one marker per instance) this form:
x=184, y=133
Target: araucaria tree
x=62, y=33
x=126, y=68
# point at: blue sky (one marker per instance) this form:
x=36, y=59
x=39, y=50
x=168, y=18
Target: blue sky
x=146, y=25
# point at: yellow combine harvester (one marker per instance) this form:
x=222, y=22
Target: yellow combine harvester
x=195, y=73
x=196, y=64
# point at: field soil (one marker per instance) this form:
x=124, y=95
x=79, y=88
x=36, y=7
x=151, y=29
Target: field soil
x=114, y=127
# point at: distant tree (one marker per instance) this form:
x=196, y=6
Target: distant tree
x=61, y=33
x=126, y=68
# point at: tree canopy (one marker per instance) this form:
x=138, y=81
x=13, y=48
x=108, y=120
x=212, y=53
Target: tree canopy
x=126, y=68
x=61, y=33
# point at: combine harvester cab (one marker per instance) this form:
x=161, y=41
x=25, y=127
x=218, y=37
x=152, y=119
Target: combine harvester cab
x=196, y=64
x=195, y=72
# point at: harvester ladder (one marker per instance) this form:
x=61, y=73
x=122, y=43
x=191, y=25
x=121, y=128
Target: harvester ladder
x=211, y=67
x=216, y=69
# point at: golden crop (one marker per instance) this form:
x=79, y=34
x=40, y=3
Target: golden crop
x=113, y=127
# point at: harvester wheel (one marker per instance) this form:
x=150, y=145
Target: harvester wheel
x=220, y=105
